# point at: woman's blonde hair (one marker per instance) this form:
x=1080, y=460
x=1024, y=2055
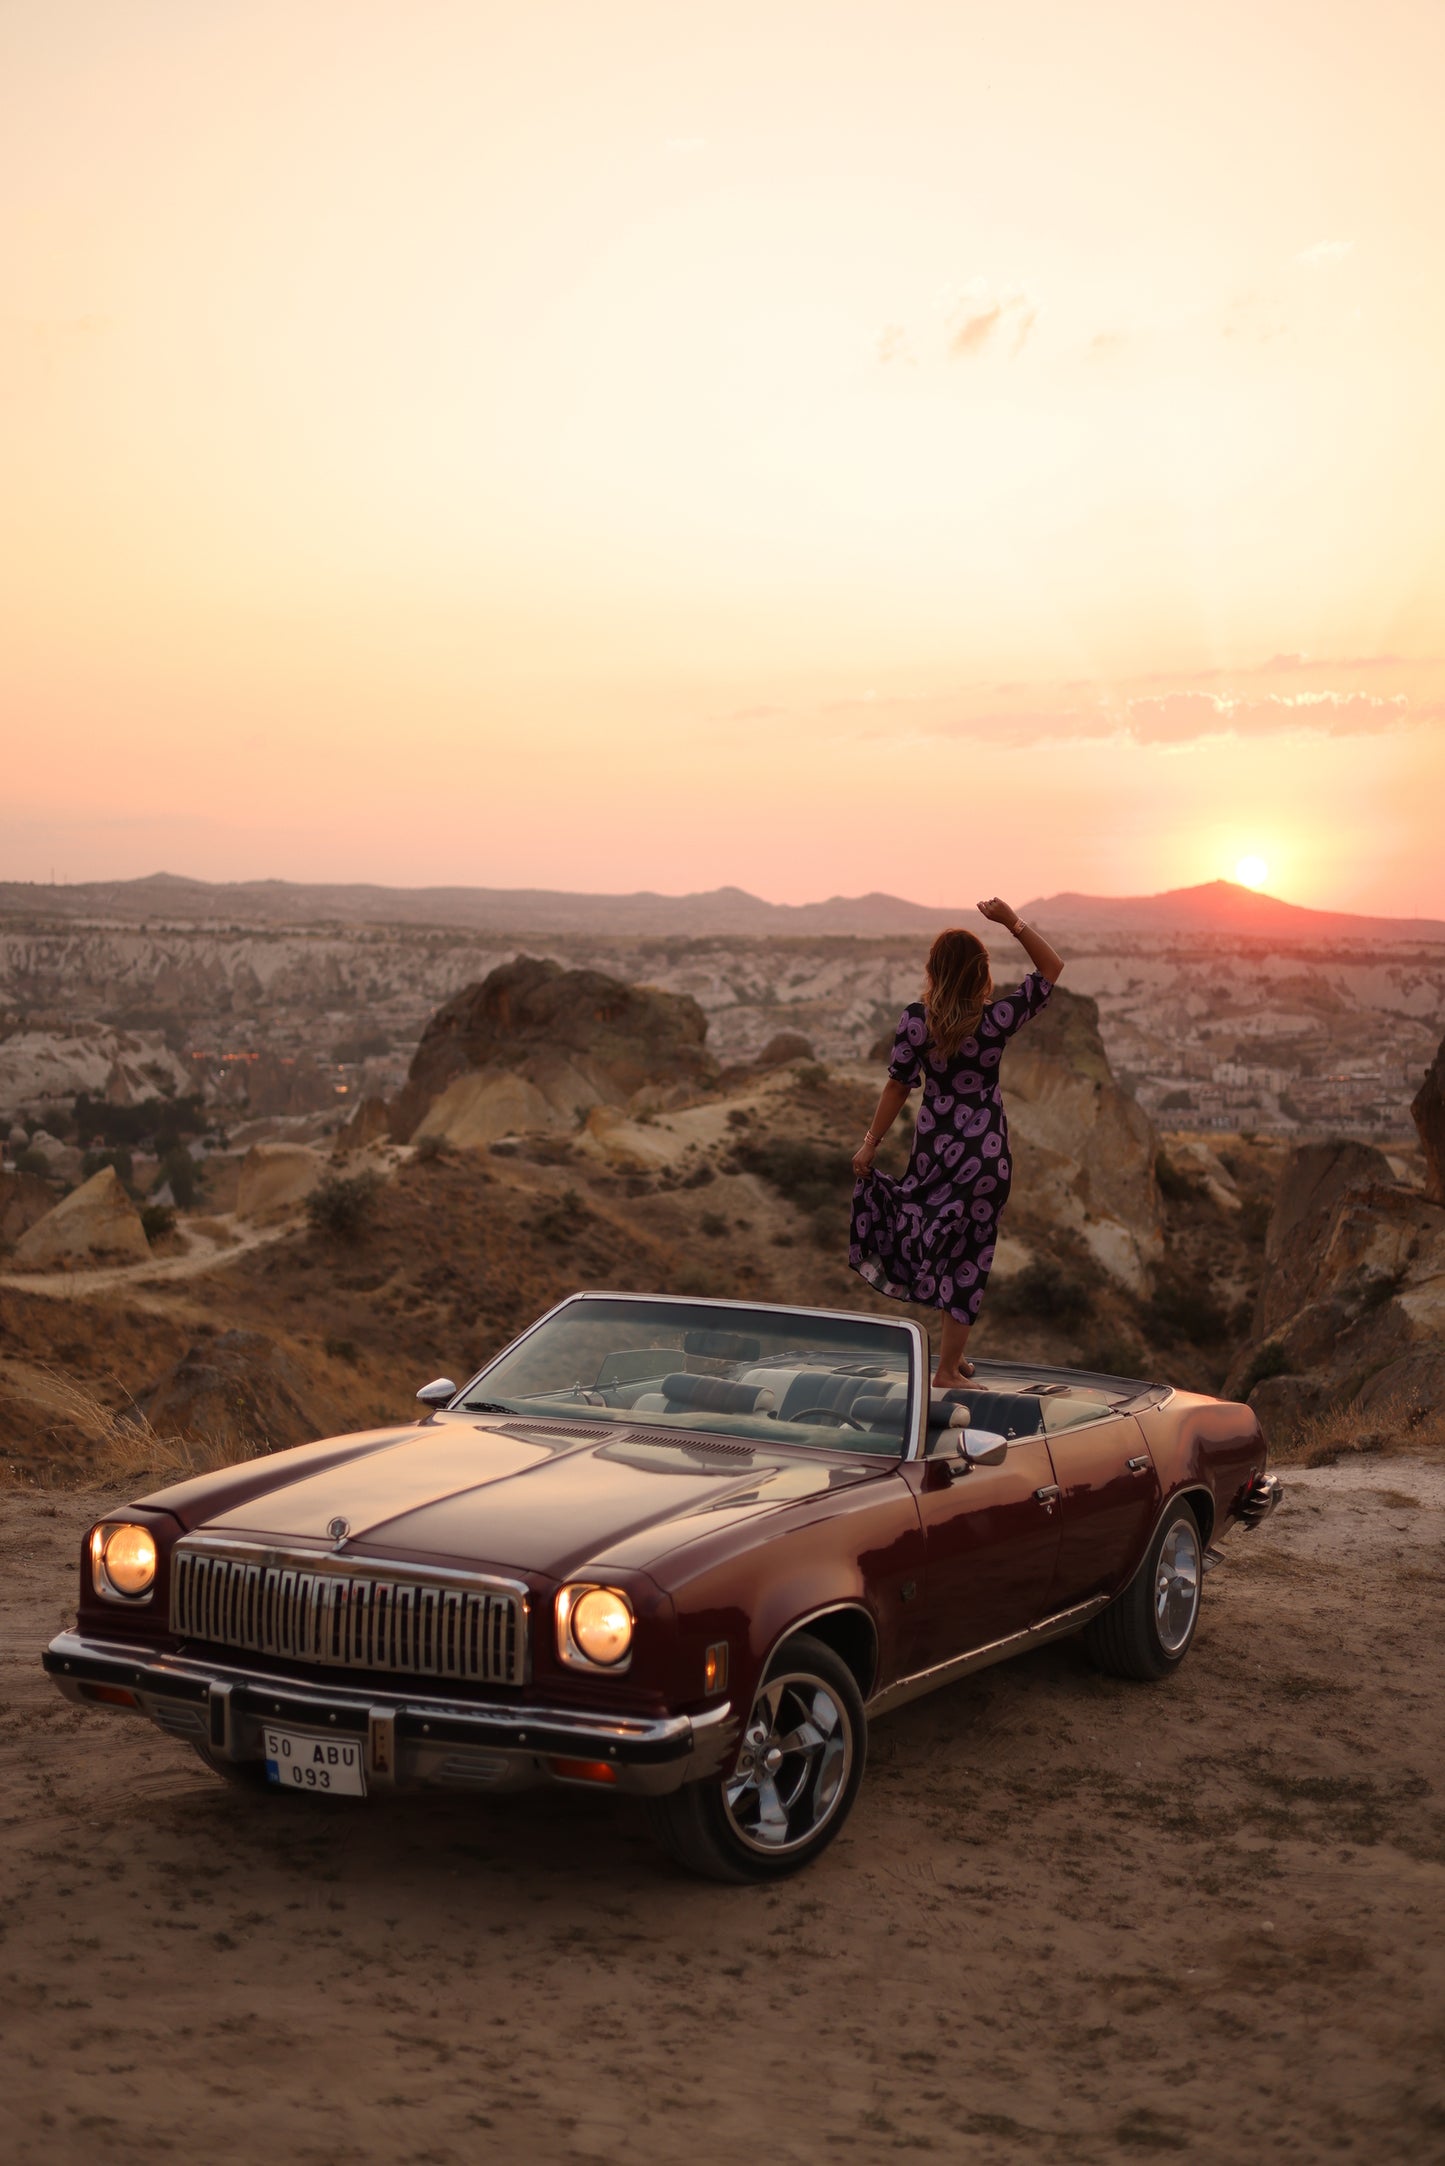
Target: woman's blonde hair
x=957, y=986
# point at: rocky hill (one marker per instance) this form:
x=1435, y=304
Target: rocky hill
x=572, y=1039
x=1351, y=1304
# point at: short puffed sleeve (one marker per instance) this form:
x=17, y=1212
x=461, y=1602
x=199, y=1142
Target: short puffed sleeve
x=908, y=1045
x=1004, y=1016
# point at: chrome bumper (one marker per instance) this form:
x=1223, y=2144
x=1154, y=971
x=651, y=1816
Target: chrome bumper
x=1263, y=1496
x=409, y=1740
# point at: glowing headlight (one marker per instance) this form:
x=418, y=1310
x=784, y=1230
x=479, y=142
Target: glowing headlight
x=594, y=1625
x=122, y=1561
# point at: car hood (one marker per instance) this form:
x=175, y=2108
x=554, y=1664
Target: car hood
x=473, y=1493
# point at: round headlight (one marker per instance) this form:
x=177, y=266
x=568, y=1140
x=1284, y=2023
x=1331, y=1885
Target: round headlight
x=125, y=1558
x=602, y=1626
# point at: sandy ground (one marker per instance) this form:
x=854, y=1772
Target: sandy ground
x=1071, y=1919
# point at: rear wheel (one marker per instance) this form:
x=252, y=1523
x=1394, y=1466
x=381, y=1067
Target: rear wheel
x=1148, y=1630
x=794, y=1780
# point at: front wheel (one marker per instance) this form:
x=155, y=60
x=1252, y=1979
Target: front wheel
x=793, y=1783
x=1147, y=1630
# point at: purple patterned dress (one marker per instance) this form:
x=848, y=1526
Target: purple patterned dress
x=930, y=1237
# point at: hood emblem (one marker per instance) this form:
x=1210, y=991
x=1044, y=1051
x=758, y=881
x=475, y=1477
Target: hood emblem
x=338, y=1529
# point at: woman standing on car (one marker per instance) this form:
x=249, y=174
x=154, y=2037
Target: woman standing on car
x=930, y=1237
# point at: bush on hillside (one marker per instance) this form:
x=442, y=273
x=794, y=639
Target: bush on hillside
x=342, y=1207
x=810, y=1175
x=1181, y=1308
x=1046, y=1291
x=157, y=1220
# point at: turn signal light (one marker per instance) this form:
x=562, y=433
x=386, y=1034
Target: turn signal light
x=715, y=1667
x=584, y=1770
x=113, y=1695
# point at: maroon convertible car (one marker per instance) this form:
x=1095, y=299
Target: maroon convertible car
x=682, y=1549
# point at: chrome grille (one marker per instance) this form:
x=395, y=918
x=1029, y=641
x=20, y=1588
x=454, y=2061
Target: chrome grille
x=416, y=1626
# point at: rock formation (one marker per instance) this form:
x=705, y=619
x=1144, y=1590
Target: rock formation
x=98, y=1223
x=275, y=1175
x=785, y=1046
x=1084, y=1151
x=239, y=1389
x=1351, y=1309
x=575, y=1038
x=1428, y=1111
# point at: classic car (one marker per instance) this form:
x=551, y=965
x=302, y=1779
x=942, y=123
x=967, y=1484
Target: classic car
x=684, y=1550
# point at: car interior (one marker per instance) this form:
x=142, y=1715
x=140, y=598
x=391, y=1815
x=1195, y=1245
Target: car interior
x=848, y=1389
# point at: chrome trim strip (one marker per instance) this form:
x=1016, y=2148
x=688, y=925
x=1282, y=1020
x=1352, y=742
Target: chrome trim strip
x=343, y=1612
x=982, y=1658
x=621, y=1729
x=826, y=1609
x=350, y=1564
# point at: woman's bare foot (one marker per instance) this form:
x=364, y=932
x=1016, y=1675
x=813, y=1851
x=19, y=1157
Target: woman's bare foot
x=952, y=1383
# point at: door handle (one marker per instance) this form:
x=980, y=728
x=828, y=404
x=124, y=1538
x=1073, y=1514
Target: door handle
x=1139, y=1465
x=1048, y=1497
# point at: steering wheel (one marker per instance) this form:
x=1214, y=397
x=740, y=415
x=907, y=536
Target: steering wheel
x=827, y=1414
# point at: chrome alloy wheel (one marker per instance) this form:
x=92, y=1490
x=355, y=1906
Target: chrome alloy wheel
x=1176, y=1586
x=793, y=1765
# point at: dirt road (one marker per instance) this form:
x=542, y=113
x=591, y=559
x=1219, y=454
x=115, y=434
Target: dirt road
x=1072, y=1919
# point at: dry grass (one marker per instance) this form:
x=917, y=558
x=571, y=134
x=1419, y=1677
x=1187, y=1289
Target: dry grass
x=1397, y=1426
x=119, y=1443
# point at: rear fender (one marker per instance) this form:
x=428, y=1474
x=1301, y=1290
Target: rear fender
x=1212, y=1447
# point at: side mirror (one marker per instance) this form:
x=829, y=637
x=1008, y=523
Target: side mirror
x=976, y=1448
x=441, y=1393
x=983, y=1448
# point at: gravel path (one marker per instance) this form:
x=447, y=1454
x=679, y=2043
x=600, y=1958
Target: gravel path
x=1072, y=1919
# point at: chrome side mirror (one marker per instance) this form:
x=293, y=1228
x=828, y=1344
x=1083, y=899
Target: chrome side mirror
x=982, y=1448
x=440, y=1393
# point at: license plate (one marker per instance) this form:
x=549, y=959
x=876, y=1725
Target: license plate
x=298, y=1761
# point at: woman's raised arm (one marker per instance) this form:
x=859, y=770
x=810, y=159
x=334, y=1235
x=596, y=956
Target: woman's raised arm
x=1046, y=960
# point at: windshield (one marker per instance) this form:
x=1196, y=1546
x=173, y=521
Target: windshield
x=775, y=1374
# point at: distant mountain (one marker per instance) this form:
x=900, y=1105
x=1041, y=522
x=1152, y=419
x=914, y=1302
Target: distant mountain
x=163, y=898
x=1218, y=910
x=1222, y=910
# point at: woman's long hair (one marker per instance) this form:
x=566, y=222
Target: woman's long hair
x=957, y=986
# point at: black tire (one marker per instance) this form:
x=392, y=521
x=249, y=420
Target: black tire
x=1147, y=1631
x=727, y=1827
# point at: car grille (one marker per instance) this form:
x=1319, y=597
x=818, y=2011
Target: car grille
x=414, y=1626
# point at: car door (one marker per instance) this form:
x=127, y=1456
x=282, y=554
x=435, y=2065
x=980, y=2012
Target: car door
x=991, y=1538
x=1109, y=1497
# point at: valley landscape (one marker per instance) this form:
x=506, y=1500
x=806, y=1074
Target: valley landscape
x=580, y=539
x=264, y=1179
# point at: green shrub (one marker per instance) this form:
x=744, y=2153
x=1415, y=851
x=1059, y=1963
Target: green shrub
x=157, y=1219
x=811, y=1175
x=1174, y=1182
x=429, y=1149
x=348, y=1051
x=713, y=1224
x=342, y=1208
x=31, y=1161
x=179, y=1168
x=1267, y=1360
x=1047, y=1291
x=97, y=1161
x=159, y=1121
x=1181, y=1308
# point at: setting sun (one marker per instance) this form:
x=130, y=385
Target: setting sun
x=1251, y=872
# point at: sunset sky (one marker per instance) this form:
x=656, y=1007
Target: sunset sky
x=818, y=447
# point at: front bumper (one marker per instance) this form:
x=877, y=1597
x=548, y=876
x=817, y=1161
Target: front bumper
x=410, y=1739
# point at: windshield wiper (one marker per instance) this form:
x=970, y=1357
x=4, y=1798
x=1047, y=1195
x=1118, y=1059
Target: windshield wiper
x=486, y=1406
